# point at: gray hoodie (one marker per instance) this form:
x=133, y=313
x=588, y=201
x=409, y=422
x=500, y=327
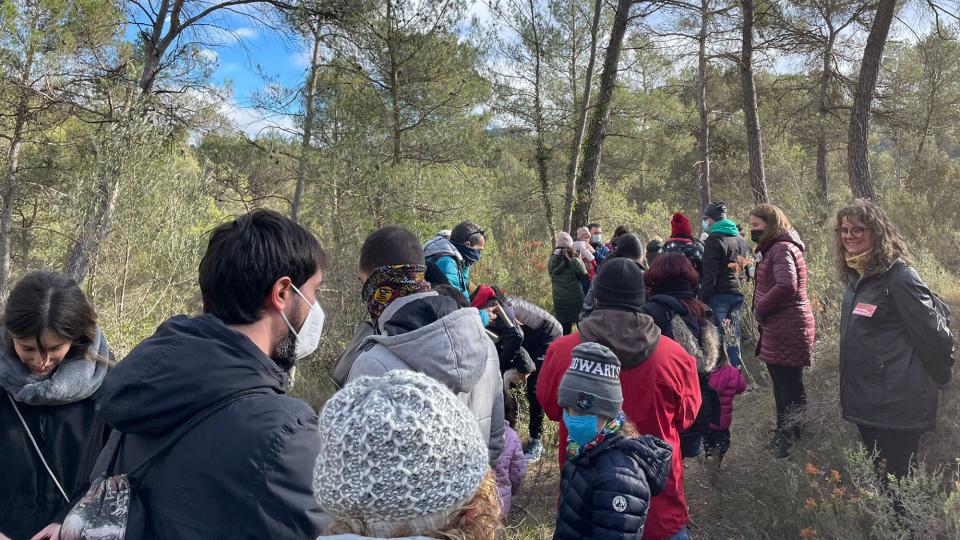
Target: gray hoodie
x=454, y=350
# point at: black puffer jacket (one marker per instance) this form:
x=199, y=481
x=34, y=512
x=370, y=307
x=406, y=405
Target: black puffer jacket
x=70, y=437
x=719, y=251
x=888, y=330
x=540, y=328
x=605, y=492
x=691, y=249
x=245, y=471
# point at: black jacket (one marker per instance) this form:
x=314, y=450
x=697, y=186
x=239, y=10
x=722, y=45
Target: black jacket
x=540, y=328
x=888, y=329
x=244, y=472
x=718, y=252
x=70, y=436
x=605, y=492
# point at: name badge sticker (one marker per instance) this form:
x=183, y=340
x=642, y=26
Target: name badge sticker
x=865, y=310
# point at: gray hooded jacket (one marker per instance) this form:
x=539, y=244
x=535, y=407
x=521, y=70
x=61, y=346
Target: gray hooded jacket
x=454, y=350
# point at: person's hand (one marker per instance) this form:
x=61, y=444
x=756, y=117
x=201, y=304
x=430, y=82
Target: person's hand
x=50, y=532
x=492, y=313
x=4, y=537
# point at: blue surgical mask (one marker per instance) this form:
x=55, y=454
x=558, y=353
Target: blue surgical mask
x=582, y=429
x=705, y=224
x=596, y=239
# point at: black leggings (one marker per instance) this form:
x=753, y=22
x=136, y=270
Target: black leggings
x=789, y=395
x=897, y=447
x=536, y=411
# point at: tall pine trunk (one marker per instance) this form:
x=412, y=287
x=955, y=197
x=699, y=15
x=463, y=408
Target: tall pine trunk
x=581, y=120
x=858, y=164
x=823, y=110
x=758, y=181
x=586, y=181
x=703, y=135
x=310, y=87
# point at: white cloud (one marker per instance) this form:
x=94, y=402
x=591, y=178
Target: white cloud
x=245, y=32
x=230, y=36
x=209, y=55
x=301, y=58
x=254, y=122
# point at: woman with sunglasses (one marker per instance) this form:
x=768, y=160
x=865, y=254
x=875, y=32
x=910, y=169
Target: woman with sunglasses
x=895, y=340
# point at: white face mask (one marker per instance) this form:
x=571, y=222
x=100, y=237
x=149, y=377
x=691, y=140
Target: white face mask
x=308, y=338
x=595, y=238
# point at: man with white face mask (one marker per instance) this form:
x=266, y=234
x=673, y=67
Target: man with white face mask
x=203, y=400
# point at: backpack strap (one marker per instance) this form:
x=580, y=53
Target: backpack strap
x=186, y=428
x=36, y=447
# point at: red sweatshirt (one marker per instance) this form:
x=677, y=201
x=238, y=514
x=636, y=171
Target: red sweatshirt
x=661, y=397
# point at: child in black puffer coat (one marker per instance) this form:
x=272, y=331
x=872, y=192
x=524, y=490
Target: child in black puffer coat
x=610, y=476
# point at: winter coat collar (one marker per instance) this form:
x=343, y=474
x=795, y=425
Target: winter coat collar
x=790, y=237
x=452, y=349
x=725, y=227
x=631, y=336
x=78, y=377
x=441, y=247
x=186, y=366
x=653, y=454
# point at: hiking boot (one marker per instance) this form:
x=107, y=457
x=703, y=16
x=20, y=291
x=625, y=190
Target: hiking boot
x=780, y=445
x=533, y=451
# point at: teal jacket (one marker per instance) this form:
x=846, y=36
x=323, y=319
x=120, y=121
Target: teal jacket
x=459, y=278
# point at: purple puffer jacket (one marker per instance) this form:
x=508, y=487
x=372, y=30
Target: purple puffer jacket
x=727, y=381
x=511, y=468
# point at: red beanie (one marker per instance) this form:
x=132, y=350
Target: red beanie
x=680, y=226
x=483, y=294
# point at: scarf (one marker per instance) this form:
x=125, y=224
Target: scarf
x=470, y=255
x=858, y=263
x=75, y=379
x=725, y=226
x=677, y=288
x=611, y=427
x=388, y=283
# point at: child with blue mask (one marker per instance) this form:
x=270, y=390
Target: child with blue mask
x=611, y=473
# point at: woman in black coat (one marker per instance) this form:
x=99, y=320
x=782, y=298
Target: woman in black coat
x=53, y=359
x=895, y=341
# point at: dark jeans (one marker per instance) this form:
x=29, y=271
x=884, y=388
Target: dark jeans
x=567, y=328
x=789, y=395
x=898, y=448
x=727, y=307
x=536, y=411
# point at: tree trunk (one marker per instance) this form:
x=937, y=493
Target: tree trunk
x=581, y=120
x=10, y=174
x=394, y=85
x=857, y=163
x=586, y=181
x=703, y=135
x=308, y=95
x=95, y=228
x=823, y=110
x=758, y=181
x=541, y=156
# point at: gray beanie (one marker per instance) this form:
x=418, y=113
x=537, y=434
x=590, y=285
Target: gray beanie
x=592, y=383
x=398, y=452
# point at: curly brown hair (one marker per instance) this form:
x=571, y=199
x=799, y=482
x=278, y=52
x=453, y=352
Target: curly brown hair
x=777, y=222
x=888, y=244
x=479, y=519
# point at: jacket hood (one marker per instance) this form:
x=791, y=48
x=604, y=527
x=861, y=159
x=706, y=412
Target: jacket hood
x=440, y=246
x=654, y=455
x=631, y=336
x=453, y=349
x=670, y=302
x=790, y=236
x=725, y=227
x=186, y=366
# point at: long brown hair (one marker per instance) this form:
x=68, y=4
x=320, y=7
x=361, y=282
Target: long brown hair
x=777, y=222
x=888, y=243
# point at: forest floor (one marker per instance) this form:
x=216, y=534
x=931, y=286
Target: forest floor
x=709, y=495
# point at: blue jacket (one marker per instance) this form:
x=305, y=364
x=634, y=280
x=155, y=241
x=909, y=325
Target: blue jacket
x=450, y=262
x=605, y=492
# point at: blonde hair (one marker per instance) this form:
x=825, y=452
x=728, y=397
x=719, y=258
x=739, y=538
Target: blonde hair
x=777, y=222
x=479, y=519
x=888, y=243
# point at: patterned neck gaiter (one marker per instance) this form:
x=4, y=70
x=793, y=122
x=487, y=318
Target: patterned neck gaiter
x=612, y=426
x=388, y=283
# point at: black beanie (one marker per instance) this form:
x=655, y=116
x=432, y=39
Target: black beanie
x=716, y=211
x=619, y=285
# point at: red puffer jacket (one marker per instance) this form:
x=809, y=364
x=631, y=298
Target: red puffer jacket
x=780, y=302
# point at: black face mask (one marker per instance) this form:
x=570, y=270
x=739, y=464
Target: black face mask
x=756, y=235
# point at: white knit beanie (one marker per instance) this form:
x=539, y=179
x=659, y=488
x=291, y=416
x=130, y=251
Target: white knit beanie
x=398, y=452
